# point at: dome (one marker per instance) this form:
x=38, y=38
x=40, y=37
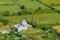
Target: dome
x=24, y=22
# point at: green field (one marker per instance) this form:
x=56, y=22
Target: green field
x=38, y=18
x=42, y=19
x=28, y=3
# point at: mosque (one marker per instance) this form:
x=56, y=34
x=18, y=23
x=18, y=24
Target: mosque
x=22, y=26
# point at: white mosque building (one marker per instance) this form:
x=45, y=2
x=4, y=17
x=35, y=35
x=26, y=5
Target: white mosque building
x=22, y=26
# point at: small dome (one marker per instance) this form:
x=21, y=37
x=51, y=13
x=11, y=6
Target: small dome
x=23, y=20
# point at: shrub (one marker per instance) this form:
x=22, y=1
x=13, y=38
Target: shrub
x=1, y=24
x=6, y=13
x=22, y=7
x=5, y=21
x=58, y=11
x=39, y=8
x=19, y=13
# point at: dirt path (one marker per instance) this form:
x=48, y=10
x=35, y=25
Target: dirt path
x=57, y=28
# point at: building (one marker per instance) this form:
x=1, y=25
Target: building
x=22, y=26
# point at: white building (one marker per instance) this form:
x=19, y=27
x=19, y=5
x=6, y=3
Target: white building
x=22, y=26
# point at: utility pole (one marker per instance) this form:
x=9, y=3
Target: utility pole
x=32, y=19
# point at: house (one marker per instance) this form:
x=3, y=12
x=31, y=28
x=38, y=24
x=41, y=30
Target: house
x=22, y=26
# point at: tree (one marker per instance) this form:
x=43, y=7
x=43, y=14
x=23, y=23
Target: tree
x=22, y=7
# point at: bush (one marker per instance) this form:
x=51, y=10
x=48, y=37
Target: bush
x=5, y=21
x=19, y=13
x=38, y=9
x=6, y=13
x=22, y=7
x=1, y=24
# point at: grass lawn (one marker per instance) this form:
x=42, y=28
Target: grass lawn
x=37, y=18
x=34, y=34
x=49, y=2
x=10, y=8
x=28, y=4
x=42, y=18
